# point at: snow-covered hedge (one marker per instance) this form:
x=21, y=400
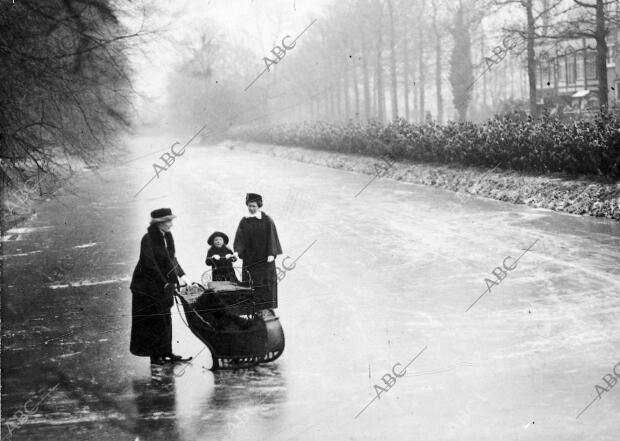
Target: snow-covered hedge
x=539, y=146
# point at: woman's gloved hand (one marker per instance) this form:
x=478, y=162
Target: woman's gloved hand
x=270, y=259
x=216, y=257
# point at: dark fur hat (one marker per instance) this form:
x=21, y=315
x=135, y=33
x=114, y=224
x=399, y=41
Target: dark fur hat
x=254, y=197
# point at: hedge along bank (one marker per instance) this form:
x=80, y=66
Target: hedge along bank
x=471, y=190
x=541, y=146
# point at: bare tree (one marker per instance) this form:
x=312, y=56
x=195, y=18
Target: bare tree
x=593, y=20
x=379, y=83
x=393, y=82
x=532, y=34
x=65, y=88
x=531, y=54
x=421, y=63
x=406, y=74
x=461, y=67
x=438, y=69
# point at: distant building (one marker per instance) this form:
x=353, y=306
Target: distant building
x=566, y=75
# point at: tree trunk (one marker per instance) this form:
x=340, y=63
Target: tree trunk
x=438, y=67
x=394, y=85
x=484, y=77
x=461, y=67
x=366, y=78
x=601, y=55
x=545, y=17
x=406, y=78
x=379, y=79
x=356, y=91
x=531, y=57
x=345, y=89
x=332, y=104
x=421, y=74
x=416, y=102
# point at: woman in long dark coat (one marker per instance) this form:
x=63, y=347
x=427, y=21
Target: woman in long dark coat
x=257, y=243
x=152, y=286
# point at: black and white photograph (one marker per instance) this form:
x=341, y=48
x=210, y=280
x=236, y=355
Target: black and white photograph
x=347, y=220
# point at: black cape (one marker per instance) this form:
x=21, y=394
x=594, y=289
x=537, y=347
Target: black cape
x=254, y=241
x=151, y=324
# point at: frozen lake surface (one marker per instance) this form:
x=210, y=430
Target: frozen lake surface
x=390, y=277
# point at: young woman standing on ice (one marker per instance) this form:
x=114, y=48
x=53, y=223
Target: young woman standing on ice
x=257, y=244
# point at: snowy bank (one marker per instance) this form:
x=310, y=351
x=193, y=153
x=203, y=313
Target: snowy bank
x=555, y=192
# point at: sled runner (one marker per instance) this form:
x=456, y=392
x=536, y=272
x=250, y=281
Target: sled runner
x=225, y=318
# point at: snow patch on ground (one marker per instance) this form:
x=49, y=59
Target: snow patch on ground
x=86, y=245
x=26, y=230
x=90, y=283
x=15, y=234
x=20, y=254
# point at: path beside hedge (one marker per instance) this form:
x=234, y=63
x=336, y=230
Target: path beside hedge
x=576, y=196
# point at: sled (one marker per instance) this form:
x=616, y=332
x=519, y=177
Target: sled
x=225, y=318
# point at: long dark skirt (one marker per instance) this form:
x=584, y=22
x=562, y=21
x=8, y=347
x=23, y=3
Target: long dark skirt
x=151, y=327
x=265, y=282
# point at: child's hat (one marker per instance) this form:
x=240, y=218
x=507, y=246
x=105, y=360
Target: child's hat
x=216, y=234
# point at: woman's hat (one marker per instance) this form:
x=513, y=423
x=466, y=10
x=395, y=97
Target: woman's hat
x=217, y=234
x=161, y=215
x=254, y=197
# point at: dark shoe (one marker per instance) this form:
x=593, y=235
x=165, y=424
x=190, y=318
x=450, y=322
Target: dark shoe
x=172, y=358
x=157, y=360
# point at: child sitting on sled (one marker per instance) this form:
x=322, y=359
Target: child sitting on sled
x=221, y=258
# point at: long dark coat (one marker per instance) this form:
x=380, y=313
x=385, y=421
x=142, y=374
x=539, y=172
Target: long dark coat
x=254, y=241
x=151, y=325
x=222, y=268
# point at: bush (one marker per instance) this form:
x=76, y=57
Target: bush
x=540, y=146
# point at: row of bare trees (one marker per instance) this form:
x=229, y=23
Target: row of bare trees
x=385, y=59
x=397, y=52
x=363, y=60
